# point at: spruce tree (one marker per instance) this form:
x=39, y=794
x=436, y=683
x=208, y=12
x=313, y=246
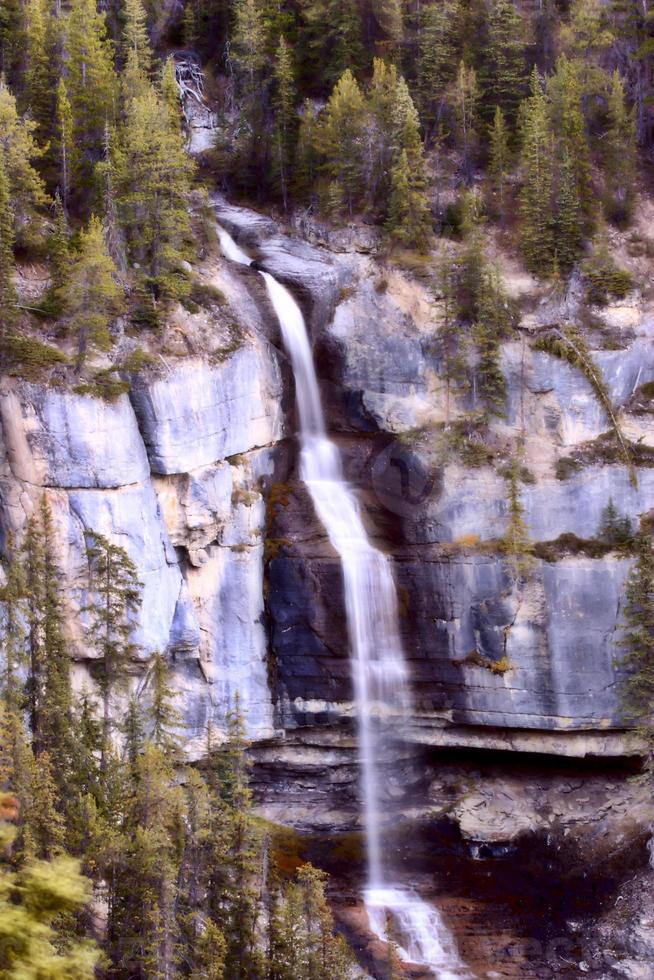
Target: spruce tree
x=504, y=72
x=38, y=75
x=90, y=83
x=164, y=716
x=499, y=163
x=64, y=141
x=26, y=189
x=536, y=193
x=137, y=54
x=331, y=33
x=153, y=174
x=91, y=298
x=568, y=220
x=115, y=599
x=565, y=90
x=59, y=248
x=285, y=117
x=438, y=56
x=638, y=639
x=408, y=219
x=8, y=296
x=466, y=105
x=619, y=156
x=249, y=43
x=516, y=543
x=340, y=139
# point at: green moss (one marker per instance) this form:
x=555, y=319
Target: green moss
x=202, y=295
x=569, y=544
x=501, y=666
x=29, y=357
x=137, y=361
x=605, y=280
x=105, y=385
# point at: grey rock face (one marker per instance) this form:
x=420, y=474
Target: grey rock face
x=60, y=439
x=201, y=413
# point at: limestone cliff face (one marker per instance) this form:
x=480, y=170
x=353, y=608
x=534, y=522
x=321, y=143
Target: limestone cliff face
x=193, y=472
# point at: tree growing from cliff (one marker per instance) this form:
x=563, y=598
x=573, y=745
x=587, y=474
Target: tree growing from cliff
x=91, y=298
x=516, y=543
x=615, y=528
x=115, y=598
x=638, y=639
x=8, y=297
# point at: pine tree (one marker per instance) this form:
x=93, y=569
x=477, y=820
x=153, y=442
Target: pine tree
x=504, y=74
x=91, y=298
x=439, y=49
x=536, y=193
x=516, y=543
x=116, y=596
x=565, y=90
x=466, y=102
x=568, y=220
x=619, y=156
x=164, y=717
x=615, y=528
x=153, y=174
x=64, y=141
x=36, y=906
x=137, y=54
x=90, y=83
x=285, y=116
x=340, y=139
x=26, y=190
x=307, y=156
x=408, y=219
x=249, y=42
x=638, y=639
x=59, y=248
x=11, y=36
x=499, y=163
x=389, y=17
x=38, y=75
x=8, y=296
x=332, y=36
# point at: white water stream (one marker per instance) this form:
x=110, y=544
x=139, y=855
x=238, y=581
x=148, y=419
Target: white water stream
x=379, y=667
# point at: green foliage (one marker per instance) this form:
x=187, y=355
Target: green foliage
x=91, y=298
x=516, y=543
x=604, y=279
x=638, y=640
x=332, y=35
x=536, y=159
x=438, y=56
x=8, y=297
x=615, y=528
x=26, y=190
x=504, y=69
x=340, y=140
x=619, y=155
x=152, y=176
x=499, y=163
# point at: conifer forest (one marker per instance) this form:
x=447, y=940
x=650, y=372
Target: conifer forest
x=326, y=489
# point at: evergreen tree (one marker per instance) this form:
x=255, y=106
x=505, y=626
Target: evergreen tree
x=466, y=102
x=307, y=160
x=332, y=36
x=115, y=599
x=8, y=296
x=284, y=102
x=536, y=193
x=38, y=75
x=619, y=156
x=137, y=54
x=568, y=221
x=638, y=639
x=249, y=42
x=389, y=17
x=91, y=298
x=504, y=75
x=615, y=528
x=36, y=903
x=153, y=174
x=11, y=36
x=408, y=219
x=499, y=162
x=438, y=56
x=26, y=190
x=59, y=248
x=64, y=141
x=341, y=139
x=90, y=83
x=565, y=91
x=516, y=543
x=165, y=718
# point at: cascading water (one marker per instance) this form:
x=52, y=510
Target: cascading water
x=379, y=668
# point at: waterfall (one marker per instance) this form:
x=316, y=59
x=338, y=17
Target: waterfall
x=379, y=669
